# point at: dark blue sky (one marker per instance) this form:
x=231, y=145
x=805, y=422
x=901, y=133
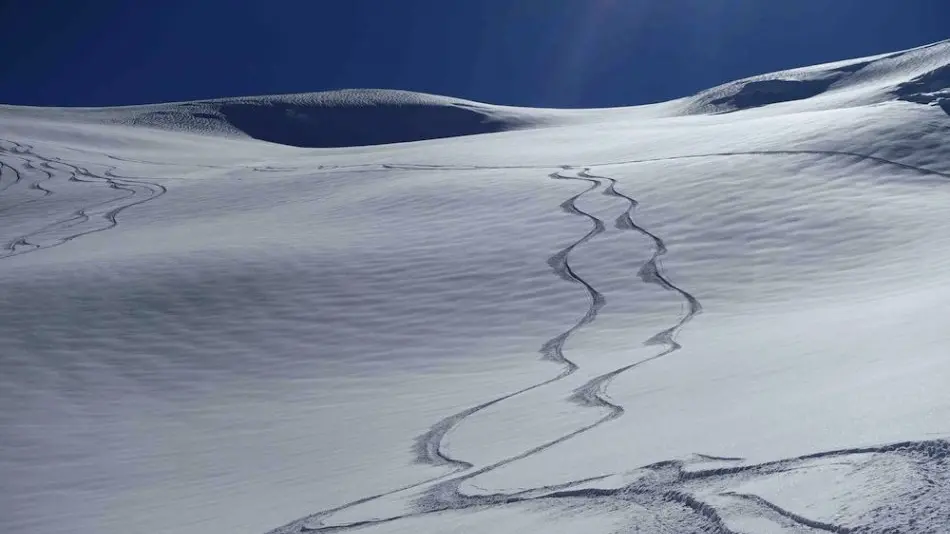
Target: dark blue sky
x=561, y=53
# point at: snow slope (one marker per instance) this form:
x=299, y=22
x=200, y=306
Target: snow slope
x=354, y=117
x=724, y=314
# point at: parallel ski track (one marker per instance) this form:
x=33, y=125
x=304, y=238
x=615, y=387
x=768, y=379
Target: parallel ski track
x=130, y=187
x=429, y=445
x=35, y=185
x=446, y=495
x=594, y=391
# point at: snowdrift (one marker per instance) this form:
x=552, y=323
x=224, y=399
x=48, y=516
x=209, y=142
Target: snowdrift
x=917, y=75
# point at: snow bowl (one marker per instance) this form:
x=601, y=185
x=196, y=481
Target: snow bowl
x=356, y=117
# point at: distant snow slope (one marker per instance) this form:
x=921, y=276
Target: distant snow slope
x=722, y=314
x=354, y=117
x=905, y=75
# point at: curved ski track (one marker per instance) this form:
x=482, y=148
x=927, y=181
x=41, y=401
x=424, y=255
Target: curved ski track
x=798, y=519
x=667, y=483
x=429, y=445
x=594, y=392
x=853, y=155
x=671, y=484
x=445, y=495
x=130, y=187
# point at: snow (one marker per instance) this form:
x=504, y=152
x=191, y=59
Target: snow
x=411, y=313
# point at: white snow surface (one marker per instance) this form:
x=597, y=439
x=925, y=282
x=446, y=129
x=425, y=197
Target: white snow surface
x=380, y=311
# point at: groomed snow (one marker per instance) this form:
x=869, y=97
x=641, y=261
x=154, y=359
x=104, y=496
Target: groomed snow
x=391, y=312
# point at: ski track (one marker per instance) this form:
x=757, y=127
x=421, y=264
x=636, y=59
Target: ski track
x=446, y=495
x=428, y=446
x=667, y=483
x=852, y=155
x=6, y=183
x=51, y=168
x=670, y=484
x=594, y=392
x=801, y=520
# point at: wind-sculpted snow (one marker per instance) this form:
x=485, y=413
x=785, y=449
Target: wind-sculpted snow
x=845, y=83
x=663, y=319
x=335, y=118
x=375, y=124
x=929, y=88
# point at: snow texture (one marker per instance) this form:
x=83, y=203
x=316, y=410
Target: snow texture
x=382, y=311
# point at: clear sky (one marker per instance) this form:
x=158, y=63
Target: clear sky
x=556, y=53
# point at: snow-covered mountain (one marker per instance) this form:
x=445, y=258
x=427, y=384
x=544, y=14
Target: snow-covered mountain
x=382, y=311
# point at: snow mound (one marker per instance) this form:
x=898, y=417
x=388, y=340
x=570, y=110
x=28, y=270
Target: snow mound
x=367, y=117
x=932, y=88
x=333, y=119
x=774, y=88
x=920, y=75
